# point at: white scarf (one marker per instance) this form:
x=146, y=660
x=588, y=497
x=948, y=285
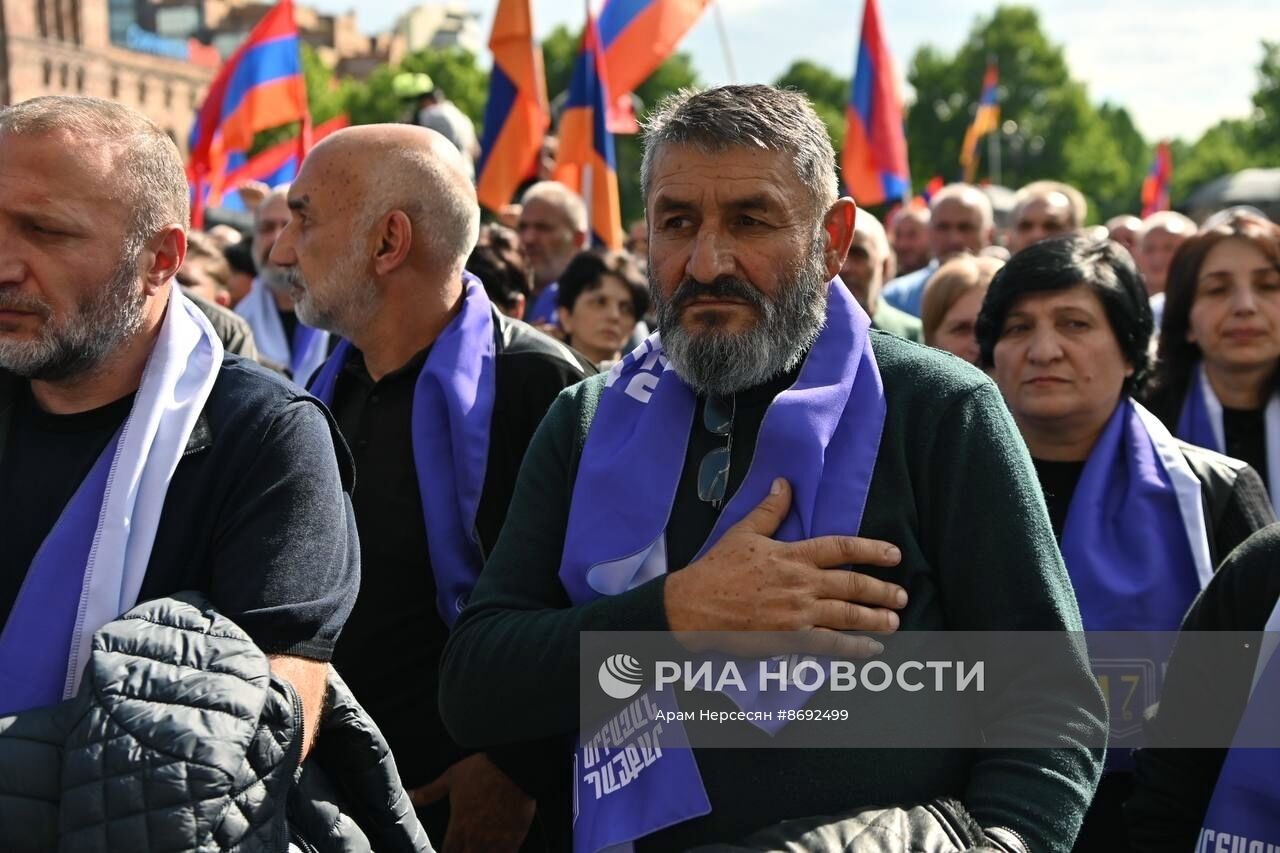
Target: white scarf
x=176, y=383
x=258, y=308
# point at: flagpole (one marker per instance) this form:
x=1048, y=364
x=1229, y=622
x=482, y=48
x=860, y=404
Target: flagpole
x=993, y=154
x=724, y=42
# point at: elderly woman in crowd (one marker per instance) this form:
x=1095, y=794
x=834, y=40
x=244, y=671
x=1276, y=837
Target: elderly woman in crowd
x=952, y=299
x=1142, y=518
x=1216, y=384
x=602, y=296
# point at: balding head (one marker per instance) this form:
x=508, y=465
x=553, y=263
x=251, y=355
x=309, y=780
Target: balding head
x=388, y=167
x=383, y=217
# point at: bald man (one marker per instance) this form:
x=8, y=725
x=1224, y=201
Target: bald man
x=438, y=395
x=864, y=271
x=1044, y=209
x=960, y=221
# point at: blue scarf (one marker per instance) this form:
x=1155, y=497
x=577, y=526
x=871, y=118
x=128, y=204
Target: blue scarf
x=1200, y=423
x=822, y=434
x=1136, y=548
x=543, y=309
x=452, y=412
x=1246, y=800
x=91, y=565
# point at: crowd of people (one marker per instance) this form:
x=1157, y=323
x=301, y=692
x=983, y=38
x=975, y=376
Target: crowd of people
x=362, y=480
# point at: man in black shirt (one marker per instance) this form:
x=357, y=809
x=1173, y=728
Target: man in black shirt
x=438, y=395
x=136, y=458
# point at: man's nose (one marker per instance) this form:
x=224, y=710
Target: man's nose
x=712, y=257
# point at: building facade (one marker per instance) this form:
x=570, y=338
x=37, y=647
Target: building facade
x=57, y=47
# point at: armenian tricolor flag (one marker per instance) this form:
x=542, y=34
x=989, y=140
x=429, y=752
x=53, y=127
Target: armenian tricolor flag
x=874, y=161
x=277, y=165
x=637, y=36
x=516, y=116
x=986, y=120
x=587, y=163
x=260, y=87
x=1155, y=187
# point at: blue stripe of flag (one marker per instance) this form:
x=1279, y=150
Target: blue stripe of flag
x=617, y=15
x=263, y=63
x=502, y=95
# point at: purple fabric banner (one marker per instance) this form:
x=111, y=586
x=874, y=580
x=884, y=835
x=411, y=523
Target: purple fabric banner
x=452, y=411
x=36, y=641
x=822, y=434
x=1244, y=813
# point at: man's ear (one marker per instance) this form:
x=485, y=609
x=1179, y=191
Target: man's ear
x=394, y=236
x=838, y=225
x=580, y=239
x=162, y=259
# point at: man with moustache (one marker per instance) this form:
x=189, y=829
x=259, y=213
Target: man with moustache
x=438, y=395
x=280, y=337
x=552, y=229
x=725, y=475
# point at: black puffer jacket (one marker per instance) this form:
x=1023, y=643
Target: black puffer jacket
x=181, y=739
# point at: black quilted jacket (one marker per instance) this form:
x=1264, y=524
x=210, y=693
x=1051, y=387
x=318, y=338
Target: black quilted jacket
x=180, y=739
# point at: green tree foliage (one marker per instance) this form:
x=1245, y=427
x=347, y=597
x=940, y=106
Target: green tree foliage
x=828, y=91
x=1050, y=130
x=1235, y=144
x=454, y=70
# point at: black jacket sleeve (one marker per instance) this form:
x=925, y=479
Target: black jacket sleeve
x=1173, y=782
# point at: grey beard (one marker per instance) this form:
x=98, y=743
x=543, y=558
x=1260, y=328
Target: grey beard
x=111, y=315
x=716, y=363
x=355, y=306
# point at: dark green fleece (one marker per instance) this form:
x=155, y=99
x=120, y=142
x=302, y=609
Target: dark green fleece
x=953, y=487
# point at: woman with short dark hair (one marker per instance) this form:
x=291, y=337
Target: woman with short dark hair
x=1219, y=373
x=1141, y=517
x=601, y=297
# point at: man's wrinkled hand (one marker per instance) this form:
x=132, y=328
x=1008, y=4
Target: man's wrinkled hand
x=487, y=811
x=750, y=582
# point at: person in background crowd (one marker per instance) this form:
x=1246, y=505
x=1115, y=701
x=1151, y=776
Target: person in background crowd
x=602, y=296
x=437, y=394
x=1219, y=353
x=268, y=306
x=952, y=300
x=960, y=221
x=553, y=228
x=203, y=276
x=757, y=338
x=242, y=271
x=637, y=242
x=1064, y=328
x=1192, y=792
x=227, y=480
x=224, y=236
x=442, y=115
x=1158, y=239
x=1045, y=209
x=501, y=267
x=909, y=237
x=865, y=269
x=1124, y=230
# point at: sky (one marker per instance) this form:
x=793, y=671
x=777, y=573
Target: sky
x=1178, y=66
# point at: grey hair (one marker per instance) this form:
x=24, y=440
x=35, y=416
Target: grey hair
x=1042, y=189
x=279, y=192
x=969, y=196
x=558, y=195
x=754, y=116
x=439, y=201
x=151, y=173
